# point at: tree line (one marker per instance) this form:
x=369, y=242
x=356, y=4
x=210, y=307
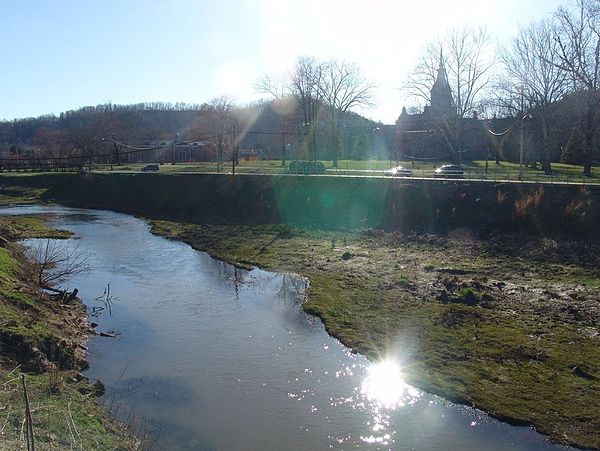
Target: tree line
x=545, y=79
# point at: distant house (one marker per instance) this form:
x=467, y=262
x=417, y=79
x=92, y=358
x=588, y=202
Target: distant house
x=251, y=154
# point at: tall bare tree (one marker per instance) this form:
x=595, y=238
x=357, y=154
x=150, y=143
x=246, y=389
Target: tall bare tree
x=87, y=138
x=219, y=117
x=534, y=79
x=343, y=87
x=283, y=103
x=305, y=82
x=578, y=39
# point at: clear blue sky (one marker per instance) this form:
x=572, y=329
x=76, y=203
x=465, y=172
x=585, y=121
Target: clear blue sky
x=58, y=55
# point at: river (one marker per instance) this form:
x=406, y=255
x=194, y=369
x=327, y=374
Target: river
x=208, y=356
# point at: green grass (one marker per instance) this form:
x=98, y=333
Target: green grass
x=65, y=415
x=8, y=264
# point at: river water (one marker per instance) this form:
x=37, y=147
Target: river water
x=208, y=356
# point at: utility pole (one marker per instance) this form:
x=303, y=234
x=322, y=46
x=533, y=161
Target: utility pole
x=521, y=150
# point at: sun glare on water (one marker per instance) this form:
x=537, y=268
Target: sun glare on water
x=385, y=385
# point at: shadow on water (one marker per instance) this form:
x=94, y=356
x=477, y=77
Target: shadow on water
x=217, y=357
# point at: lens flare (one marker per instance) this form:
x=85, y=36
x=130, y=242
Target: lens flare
x=385, y=385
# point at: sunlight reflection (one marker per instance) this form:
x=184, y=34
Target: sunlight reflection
x=385, y=385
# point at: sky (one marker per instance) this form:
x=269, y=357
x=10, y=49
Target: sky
x=60, y=55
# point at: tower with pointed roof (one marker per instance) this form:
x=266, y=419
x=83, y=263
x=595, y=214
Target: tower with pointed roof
x=441, y=94
x=432, y=134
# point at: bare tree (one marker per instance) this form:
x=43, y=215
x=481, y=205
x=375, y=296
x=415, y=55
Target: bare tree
x=276, y=86
x=56, y=145
x=283, y=103
x=534, y=79
x=423, y=76
x=87, y=138
x=342, y=87
x=305, y=82
x=228, y=124
x=578, y=39
x=219, y=119
x=54, y=263
x=118, y=126
x=469, y=67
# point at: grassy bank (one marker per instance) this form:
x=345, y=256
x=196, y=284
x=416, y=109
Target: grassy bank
x=487, y=294
x=43, y=337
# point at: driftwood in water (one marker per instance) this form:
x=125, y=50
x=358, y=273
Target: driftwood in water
x=106, y=334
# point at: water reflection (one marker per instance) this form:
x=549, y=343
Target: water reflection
x=385, y=386
x=385, y=389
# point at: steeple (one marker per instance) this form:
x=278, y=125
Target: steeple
x=441, y=94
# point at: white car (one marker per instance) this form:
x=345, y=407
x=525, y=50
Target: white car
x=449, y=170
x=398, y=171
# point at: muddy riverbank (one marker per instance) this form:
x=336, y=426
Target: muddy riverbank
x=507, y=324
x=44, y=337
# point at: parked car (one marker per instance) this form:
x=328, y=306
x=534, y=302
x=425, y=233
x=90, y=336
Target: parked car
x=398, y=171
x=449, y=170
x=306, y=167
x=150, y=168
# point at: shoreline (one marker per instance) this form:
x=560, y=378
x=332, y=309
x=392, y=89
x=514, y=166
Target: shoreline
x=43, y=337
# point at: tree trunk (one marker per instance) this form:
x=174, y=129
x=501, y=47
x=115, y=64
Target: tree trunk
x=282, y=143
x=546, y=165
x=589, y=135
x=334, y=140
x=459, y=138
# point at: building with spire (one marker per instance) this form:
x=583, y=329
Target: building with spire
x=433, y=133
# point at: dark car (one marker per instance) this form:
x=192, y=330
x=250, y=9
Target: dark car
x=449, y=171
x=306, y=167
x=150, y=168
x=398, y=171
